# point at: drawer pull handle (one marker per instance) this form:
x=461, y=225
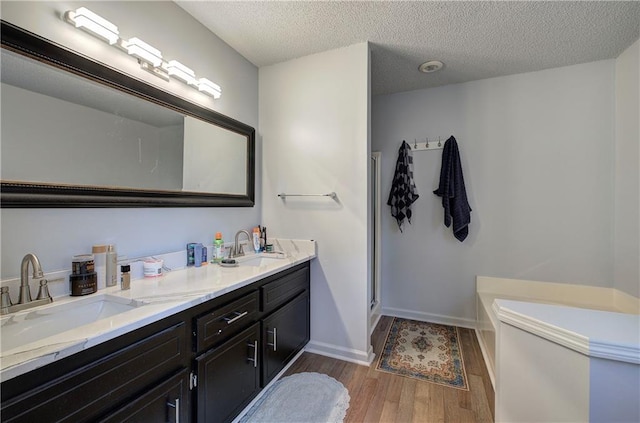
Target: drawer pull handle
x=239, y=315
x=177, y=408
x=254, y=345
x=275, y=339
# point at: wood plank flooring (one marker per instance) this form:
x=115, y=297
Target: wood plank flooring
x=384, y=397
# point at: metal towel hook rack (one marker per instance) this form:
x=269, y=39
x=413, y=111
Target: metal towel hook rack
x=428, y=145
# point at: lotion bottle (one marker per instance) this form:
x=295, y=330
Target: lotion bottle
x=256, y=239
x=111, y=264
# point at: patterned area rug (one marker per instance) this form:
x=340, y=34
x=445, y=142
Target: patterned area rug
x=302, y=397
x=425, y=351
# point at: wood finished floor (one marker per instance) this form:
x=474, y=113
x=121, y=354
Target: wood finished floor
x=384, y=397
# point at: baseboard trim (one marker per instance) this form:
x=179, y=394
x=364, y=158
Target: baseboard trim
x=429, y=317
x=485, y=357
x=341, y=353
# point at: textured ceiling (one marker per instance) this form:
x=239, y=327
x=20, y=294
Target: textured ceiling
x=475, y=39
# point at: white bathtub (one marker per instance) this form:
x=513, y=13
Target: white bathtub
x=581, y=296
x=558, y=352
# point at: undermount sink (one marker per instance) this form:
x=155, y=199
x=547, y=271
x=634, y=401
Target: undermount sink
x=32, y=325
x=260, y=260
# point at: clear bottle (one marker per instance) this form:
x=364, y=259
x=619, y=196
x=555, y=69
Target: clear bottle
x=256, y=239
x=218, y=249
x=111, y=263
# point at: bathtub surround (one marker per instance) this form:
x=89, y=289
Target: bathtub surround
x=587, y=364
x=570, y=295
x=582, y=342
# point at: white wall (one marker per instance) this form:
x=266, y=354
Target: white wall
x=537, y=156
x=56, y=234
x=627, y=172
x=314, y=127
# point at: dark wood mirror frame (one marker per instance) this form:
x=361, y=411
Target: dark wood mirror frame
x=30, y=195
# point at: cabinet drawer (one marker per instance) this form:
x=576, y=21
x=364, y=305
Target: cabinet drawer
x=278, y=292
x=90, y=390
x=166, y=402
x=224, y=322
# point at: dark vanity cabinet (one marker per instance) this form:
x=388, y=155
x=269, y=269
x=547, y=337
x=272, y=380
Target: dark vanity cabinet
x=142, y=369
x=204, y=364
x=243, y=344
x=284, y=333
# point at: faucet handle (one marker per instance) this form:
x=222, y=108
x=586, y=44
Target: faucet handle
x=5, y=299
x=43, y=292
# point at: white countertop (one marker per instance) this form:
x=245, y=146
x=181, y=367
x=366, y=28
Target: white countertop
x=596, y=333
x=164, y=296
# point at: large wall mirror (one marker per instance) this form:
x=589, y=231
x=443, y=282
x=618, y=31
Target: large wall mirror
x=75, y=133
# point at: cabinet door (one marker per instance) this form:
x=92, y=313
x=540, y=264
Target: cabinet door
x=93, y=390
x=284, y=333
x=229, y=377
x=166, y=402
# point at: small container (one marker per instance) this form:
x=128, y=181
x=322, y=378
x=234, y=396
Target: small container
x=100, y=264
x=125, y=277
x=204, y=255
x=268, y=248
x=82, y=264
x=84, y=284
x=197, y=255
x=191, y=254
x=152, y=268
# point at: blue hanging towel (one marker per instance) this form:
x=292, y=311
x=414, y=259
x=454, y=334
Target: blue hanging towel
x=452, y=191
x=403, y=190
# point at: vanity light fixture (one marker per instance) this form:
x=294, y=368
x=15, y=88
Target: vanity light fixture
x=143, y=51
x=180, y=71
x=85, y=19
x=149, y=57
x=209, y=87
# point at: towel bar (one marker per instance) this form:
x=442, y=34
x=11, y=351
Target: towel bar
x=333, y=195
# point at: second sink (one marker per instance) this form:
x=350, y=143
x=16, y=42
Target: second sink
x=260, y=260
x=29, y=326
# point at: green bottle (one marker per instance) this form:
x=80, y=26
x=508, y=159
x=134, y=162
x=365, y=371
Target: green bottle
x=218, y=249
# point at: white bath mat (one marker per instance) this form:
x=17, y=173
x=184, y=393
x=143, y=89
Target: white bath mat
x=301, y=397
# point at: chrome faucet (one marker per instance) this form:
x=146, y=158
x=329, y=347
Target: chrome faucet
x=24, y=299
x=25, y=290
x=236, y=250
